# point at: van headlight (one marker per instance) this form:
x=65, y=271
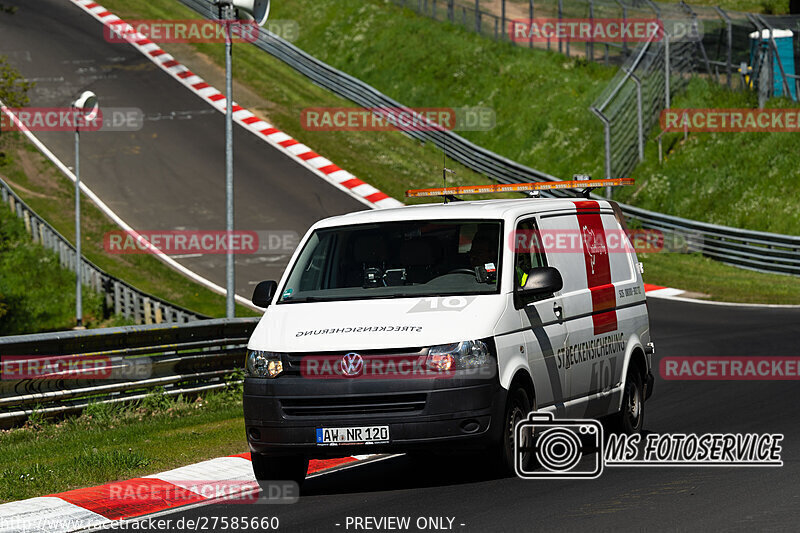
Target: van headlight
x=458, y=356
x=262, y=364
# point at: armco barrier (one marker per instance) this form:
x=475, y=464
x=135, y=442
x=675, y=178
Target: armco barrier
x=117, y=365
x=767, y=252
x=121, y=298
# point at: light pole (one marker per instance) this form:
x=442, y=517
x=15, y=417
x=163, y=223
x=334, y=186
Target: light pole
x=85, y=110
x=230, y=10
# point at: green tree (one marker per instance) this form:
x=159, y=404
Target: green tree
x=13, y=87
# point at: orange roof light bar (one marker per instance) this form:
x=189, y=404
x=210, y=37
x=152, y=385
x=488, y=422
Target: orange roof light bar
x=519, y=187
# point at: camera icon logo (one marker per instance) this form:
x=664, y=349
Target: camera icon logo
x=545, y=448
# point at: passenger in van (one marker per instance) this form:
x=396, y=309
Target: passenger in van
x=484, y=247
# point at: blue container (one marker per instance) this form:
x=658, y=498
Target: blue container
x=783, y=42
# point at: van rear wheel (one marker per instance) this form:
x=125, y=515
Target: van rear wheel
x=269, y=468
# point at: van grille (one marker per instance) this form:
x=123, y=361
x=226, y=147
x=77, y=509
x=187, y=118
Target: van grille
x=354, y=405
x=294, y=361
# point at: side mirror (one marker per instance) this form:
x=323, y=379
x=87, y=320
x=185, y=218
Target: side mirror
x=263, y=293
x=541, y=281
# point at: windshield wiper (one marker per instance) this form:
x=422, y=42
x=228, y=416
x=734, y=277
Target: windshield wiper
x=305, y=299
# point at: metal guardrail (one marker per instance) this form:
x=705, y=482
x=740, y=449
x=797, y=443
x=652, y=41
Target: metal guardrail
x=121, y=298
x=754, y=250
x=767, y=252
x=63, y=372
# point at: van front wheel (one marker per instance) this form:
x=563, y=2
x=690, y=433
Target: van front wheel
x=518, y=406
x=279, y=468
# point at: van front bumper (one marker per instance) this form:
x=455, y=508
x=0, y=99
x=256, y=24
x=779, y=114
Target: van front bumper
x=448, y=414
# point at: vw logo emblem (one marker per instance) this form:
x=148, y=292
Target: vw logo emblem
x=352, y=364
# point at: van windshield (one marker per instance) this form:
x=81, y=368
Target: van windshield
x=397, y=260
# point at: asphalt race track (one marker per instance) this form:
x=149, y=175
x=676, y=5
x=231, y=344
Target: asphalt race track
x=622, y=498
x=170, y=174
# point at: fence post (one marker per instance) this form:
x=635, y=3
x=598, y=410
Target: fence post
x=477, y=16
x=503, y=19
x=607, y=144
x=450, y=11
x=589, y=43
x=530, y=22
x=117, y=297
x=729, y=27
x=560, y=8
x=624, y=17
x=495, y=28
x=639, y=121
x=667, y=96
x=137, y=307
x=147, y=311
x=128, y=298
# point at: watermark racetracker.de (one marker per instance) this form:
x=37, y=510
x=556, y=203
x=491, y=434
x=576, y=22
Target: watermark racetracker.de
x=730, y=368
x=730, y=120
x=199, y=30
x=603, y=30
x=74, y=367
x=398, y=118
x=69, y=119
x=178, y=242
x=569, y=240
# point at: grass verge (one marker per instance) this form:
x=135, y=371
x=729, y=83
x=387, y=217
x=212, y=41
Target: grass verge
x=52, y=196
x=115, y=442
x=36, y=294
x=541, y=100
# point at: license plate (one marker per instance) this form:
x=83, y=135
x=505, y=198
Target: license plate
x=353, y=435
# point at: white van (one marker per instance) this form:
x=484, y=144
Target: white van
x=439, y=326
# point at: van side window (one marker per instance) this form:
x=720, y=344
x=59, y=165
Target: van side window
x=528, y=253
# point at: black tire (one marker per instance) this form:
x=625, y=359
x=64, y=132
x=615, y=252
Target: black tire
x=279, y=468
x=518, y=405
x=630, y=418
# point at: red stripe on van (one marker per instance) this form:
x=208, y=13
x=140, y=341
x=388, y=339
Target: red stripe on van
x=598, y=266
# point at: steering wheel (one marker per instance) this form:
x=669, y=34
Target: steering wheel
x=462, y=271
